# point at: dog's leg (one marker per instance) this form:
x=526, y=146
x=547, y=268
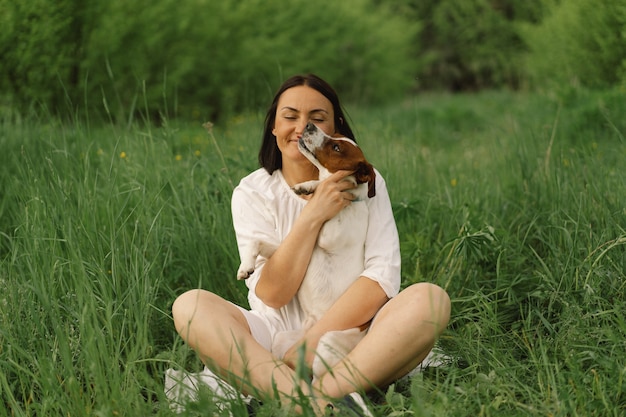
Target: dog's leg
x=284, y=340
x=248, y=260
x=333, y=347
x=249, y=255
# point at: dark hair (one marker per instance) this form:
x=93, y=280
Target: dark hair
x=270, y=156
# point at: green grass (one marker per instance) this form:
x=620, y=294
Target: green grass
x=515, y=203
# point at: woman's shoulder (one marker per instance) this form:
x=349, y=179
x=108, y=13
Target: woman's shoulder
x=260, y=182
x=257, y=179
x=260, y=174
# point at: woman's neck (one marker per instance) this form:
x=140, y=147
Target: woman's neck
x=295, y=173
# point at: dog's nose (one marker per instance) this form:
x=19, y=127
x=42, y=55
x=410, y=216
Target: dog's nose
x=310, y=127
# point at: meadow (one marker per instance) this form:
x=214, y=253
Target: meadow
x=514, y=202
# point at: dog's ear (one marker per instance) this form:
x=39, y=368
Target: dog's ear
x=365, y=173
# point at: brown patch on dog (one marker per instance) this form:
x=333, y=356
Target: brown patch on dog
x=338, y=153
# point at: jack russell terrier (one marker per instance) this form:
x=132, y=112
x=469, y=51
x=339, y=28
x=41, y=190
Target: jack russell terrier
x=338, y=257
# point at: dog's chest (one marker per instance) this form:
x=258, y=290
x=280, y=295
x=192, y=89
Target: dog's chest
x=344, y=232
x=337, y=260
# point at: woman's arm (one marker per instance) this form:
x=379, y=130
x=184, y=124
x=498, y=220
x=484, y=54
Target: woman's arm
x=283, y=272
x=355, y=308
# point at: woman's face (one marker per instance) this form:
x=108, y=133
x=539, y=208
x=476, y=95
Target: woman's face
x=298, y=106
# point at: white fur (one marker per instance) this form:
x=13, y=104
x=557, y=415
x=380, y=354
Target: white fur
x=336, y=262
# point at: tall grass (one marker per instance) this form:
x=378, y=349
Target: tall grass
x=516, y=204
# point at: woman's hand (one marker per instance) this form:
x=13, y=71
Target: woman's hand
x=330, y=197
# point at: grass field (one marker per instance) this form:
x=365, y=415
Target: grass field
x=515, y=203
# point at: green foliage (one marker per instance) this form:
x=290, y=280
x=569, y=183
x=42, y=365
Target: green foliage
x=518, y=210
x=204, y=59
x=99, y=231
x=37, y=47
x=469, y=44
x=201, y=58
x=579, y=43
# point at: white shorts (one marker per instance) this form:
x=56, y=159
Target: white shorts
x=263, y=328
x=259, y=327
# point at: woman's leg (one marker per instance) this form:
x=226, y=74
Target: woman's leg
x=401, y=336
x=219, y=332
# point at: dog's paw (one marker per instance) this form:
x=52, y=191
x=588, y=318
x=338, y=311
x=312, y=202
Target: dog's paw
x=305, y=188
x=333, y=346
x=244, y=272
x=283, y=340
x=302, y=191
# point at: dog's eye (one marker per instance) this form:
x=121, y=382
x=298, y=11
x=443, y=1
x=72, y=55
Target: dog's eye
x=336, y=148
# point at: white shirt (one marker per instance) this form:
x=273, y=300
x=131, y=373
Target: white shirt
x=265, y=208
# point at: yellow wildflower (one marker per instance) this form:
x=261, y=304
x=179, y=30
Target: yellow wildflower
x=122, y=154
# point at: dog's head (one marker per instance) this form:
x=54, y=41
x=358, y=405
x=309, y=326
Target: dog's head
x=337, y=153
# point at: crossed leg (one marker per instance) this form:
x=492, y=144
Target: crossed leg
x=402, y=334
x=219, y=333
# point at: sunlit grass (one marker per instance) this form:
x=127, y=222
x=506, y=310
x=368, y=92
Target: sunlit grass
x=515, y=203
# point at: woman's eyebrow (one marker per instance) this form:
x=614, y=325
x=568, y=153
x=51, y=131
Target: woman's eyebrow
x=298, y=111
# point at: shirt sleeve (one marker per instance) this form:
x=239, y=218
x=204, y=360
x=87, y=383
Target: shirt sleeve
x=382, y=244
x=253, y=221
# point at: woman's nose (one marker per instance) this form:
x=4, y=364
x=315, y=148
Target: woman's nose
x=301, y=126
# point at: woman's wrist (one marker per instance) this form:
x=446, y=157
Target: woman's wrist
x=311, y=220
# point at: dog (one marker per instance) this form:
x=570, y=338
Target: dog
x=338, y=257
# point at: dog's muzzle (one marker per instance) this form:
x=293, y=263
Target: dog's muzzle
x=302, y=145
x=310, y=128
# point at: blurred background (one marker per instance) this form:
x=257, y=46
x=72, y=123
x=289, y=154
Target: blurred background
x=207, y=59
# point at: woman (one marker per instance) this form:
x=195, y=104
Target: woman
x=235, y=342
